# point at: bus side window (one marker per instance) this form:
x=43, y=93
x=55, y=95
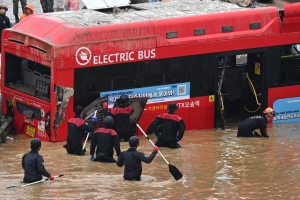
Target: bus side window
x=13, y=73
x=177, y=70
x=290, y=64
x=151, y=74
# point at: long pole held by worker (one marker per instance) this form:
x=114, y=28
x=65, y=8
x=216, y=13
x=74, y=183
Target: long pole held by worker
x=173, y=170
x=87, y=136
x=46, y=179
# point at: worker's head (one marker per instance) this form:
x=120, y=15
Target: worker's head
x=28, y=9
x=123, y=99
x=269, y=113
x=35, y=144
x=108, y=122
x=78, y=111
x=134, y=141
x=3, y=9
x=172, y=107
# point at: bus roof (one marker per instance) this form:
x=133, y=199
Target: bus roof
x=144, y=26
x=147, y=11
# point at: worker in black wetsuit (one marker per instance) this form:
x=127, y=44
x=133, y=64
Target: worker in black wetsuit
x=132, y=159
x=247, y=127
x=105, y=139
x=121, y=115
x=33, y=164
x=77, y=131
x=169, y=128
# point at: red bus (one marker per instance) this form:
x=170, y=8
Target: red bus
x=236, y=62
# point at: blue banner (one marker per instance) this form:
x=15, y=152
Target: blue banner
x=287, y=110
x=161, y=93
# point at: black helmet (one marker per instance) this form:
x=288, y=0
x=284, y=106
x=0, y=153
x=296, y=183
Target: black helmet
x=78, y=110
x=123, y=99
x=134, y=141
x=172, y=107
x=108, y=122
x=35, y=144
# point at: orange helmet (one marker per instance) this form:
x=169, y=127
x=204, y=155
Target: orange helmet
x=269, y=111
x=4, y=6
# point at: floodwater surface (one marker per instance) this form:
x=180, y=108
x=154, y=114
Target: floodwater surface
x=216, y=165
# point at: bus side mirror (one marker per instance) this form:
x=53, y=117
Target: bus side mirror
x=59, y=94
x=63, y=95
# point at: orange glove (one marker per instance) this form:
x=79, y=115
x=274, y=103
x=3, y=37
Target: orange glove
x=104, y=105
x=155, y=148
x=51, y=178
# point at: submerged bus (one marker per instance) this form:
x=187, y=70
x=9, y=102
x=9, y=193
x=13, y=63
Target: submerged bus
x=219, y=63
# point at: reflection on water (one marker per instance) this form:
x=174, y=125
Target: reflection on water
x=215, y=165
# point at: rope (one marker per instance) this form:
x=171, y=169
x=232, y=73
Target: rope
x=255, y=94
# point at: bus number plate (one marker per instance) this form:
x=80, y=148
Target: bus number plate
x=30, y=131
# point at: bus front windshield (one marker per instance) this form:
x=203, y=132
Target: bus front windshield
x=27, y=76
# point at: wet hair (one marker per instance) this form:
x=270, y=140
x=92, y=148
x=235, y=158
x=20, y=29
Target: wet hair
x=78, y=110
x=35, y=144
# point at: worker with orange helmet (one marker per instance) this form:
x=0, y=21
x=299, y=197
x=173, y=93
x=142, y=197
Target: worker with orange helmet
x=247, y=127
x=28, y=10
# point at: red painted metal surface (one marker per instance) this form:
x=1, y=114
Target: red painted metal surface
x=282, y=92
x=291, y=17
x=198, y=113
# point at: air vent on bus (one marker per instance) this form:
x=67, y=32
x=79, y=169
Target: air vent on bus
x=227, y=29
x=38, y=48
x=16, y=41
x=171, y=35
x=20, y=42
x=200, y=31
x=254, y=26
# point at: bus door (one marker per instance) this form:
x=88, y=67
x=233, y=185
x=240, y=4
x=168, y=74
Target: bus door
x=95, y=108
x=238, y=88
x=255, y=84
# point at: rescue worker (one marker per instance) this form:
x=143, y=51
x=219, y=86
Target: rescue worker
x=105, y=139
x=247, y=127
x=4, y=20
x=121, y=115
x=132, y=159
x=33, y=164
x=169, y=128
x=28, y=10
x=16, y=8
x=47, y=5
x=76, y=132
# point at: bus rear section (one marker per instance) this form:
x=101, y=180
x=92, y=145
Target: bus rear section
x=26, y=94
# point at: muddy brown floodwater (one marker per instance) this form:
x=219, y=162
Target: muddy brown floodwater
x=215, y=165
